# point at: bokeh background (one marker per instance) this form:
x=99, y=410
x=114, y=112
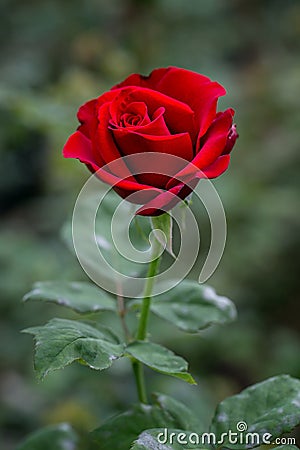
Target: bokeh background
x=56, y=55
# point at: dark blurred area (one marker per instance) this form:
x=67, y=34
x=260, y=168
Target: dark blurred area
x=57, y=54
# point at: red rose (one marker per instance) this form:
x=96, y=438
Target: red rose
x=173, y=112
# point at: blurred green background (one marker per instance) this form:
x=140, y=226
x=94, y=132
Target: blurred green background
x=56, y=55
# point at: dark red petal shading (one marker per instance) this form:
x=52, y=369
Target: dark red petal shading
x=137, y=110
x=231, y=138
x=167, y=200
x=216, y=168
x=178, y=145
x=105, y=145
x=210, y=146
x=213, y=145
x=157, y=127
x=87, y=116
x=130, y=142
x=87, y=113
x=196, y=90
x=80, y=147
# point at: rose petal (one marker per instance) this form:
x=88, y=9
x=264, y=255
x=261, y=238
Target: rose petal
x=231, y=138
x=212, y=147
x=157, y=127
x=105, y=145
x=167, y=200
x=87, y=113
x=197, y=91
x=130, y=142
x=174, y=145
x=78, y=146
x=191, y=88
x=138, y=111
x=178, y=116
x=216, y=168
x=148, y=81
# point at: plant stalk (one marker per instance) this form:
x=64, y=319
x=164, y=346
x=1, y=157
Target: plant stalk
x=141, y=334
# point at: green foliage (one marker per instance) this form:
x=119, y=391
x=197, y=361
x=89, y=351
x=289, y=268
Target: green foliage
x=193, y=307
x=272, y=406
x=164, y=412
x=58, y=437
x=269, y=407
x=82, y=297
x=61, y=341
x=148, y=440
x=286, y=447
x=160, y=359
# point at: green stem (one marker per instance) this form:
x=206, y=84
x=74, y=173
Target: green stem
x=122, y=313
x=152, y=271
x=138, y=371
x=144, y=318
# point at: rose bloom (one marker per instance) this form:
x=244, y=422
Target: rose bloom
x=170, y=112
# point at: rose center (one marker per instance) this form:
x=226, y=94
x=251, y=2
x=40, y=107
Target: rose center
x=130, y=120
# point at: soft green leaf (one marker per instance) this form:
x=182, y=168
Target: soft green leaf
x=61, y=341
x=82, y=297
x=167, y=439
x=58, y=437
x=286, y=447
x=184, y=415
x=272, y=406
x=193, y=307
x=120, y=432
x=160, y=359
x=164, y=223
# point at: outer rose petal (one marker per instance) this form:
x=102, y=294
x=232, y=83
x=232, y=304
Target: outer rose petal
x=87, y=113
x=196, y=90
x=231, y=138
x=149, y=81
x=213, y=146
x=80, y=147
x=167, y=200
x=191, y=88
x=177, y=145
x=214, y=141
x=216, y=168
x=88, y=118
